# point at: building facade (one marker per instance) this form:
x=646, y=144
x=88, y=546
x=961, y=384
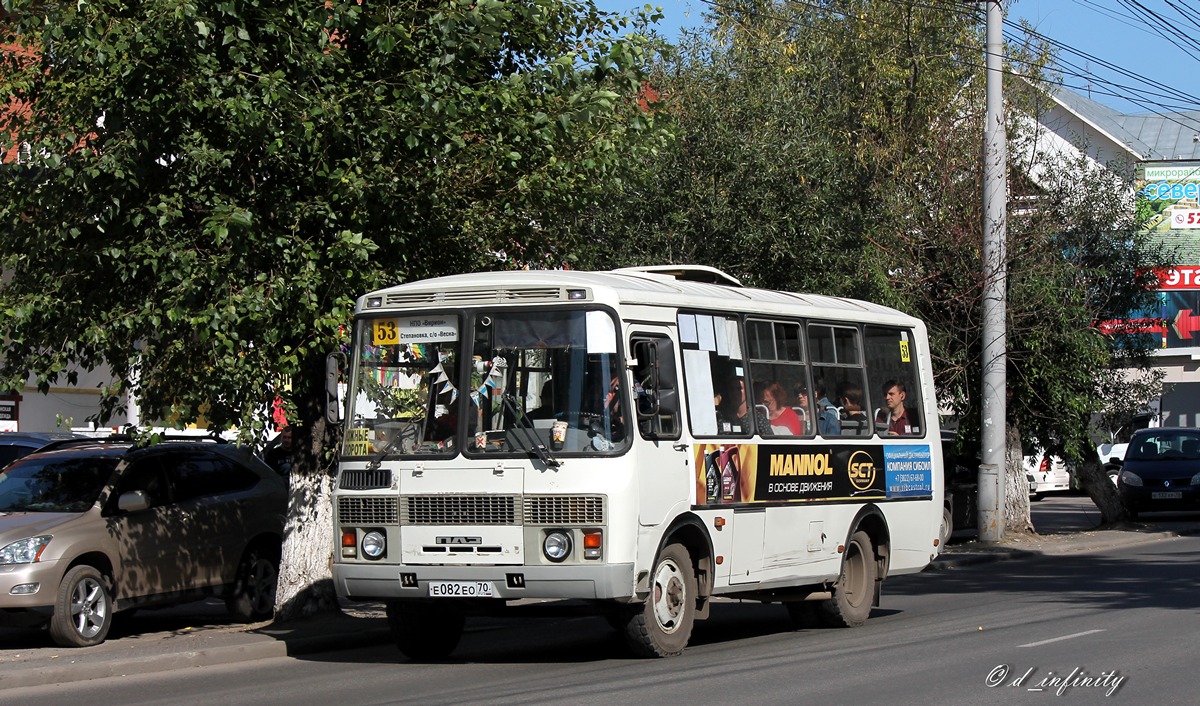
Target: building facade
x=1165, y=147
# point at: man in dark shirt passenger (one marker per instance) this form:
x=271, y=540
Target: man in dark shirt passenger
x=895, y=417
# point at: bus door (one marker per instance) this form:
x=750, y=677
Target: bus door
x=664, y=470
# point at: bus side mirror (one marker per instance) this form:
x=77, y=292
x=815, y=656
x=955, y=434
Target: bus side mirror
x=332, y=398
x=657, y=400
x=646, y=371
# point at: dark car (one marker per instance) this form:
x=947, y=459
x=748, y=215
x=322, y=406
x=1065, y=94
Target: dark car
x=90, y=527
x=1161, y=470
x=15, y=444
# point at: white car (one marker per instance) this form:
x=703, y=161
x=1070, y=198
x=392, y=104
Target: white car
x=1049, y=473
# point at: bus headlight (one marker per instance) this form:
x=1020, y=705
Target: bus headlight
x=373, y=544
x=557, y=545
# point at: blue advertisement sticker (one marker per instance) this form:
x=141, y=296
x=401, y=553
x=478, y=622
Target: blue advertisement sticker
x=908, y=471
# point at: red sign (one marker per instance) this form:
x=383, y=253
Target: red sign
x=1118, y=326
x=1179, y=277
x=1186, y=324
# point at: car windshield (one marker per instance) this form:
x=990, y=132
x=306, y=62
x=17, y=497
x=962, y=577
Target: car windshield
x=1166, y=446
x=54, y=483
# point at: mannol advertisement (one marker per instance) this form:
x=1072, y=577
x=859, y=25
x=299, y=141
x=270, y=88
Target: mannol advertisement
x=747, y=473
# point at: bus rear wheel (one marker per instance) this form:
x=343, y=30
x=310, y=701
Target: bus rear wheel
x=854, y=592
x=425, y=631
x=662, y=626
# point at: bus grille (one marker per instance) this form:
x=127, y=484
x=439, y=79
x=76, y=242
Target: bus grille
x=368, y=511
x=564, y=510
x=553, y=510
x=460, y=510
x=364, y=479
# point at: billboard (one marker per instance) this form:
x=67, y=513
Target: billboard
x=1170, y=192
x=785, y=473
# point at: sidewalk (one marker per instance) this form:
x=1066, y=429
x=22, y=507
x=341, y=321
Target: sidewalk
x=202, y=634
x=1066, y=524
x=192, y=635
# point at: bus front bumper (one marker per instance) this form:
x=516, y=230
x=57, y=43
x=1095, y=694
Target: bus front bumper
x=386, y=581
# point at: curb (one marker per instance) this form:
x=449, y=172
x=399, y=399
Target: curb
x=248, y=646
x=115, y=665
x=954, y=560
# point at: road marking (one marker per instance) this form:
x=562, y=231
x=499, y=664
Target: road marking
x=1064, y=637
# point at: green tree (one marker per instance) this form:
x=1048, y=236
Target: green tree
x=210, y=184
x=834, y=148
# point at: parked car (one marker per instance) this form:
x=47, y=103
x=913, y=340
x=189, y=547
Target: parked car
x=960, y=509
x=1161, y=470
x=92, y=527
x=15, y=444
x=1049, y=472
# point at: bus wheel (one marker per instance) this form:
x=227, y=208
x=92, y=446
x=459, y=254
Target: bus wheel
x=947, y=527
x=662, y=625
x=855, y=588
x=425, y=631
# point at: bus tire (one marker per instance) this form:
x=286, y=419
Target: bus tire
x=947, y=527
x=662, y=626
x=854, y=591
x=425, y=631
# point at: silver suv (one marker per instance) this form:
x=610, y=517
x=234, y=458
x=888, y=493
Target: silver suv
x=91, y=527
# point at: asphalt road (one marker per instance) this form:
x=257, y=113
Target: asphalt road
x=1116, y=626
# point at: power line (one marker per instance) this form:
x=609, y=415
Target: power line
x=1159, y=99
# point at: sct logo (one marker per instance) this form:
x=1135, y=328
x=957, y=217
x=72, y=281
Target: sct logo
x=861, y=470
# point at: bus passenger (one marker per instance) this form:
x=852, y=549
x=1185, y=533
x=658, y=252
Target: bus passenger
x=828, y=416
x=854, y=419
x=783, y=419
x=894, y=417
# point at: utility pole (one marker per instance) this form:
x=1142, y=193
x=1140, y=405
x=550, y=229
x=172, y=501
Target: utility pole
x=995, y=272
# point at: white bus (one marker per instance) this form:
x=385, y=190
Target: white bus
x=645, y=440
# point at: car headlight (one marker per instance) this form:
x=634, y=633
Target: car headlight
x=1196, y=479
x=373, y=544
x=1130, y=478
x=557, y=545
x=24, y=551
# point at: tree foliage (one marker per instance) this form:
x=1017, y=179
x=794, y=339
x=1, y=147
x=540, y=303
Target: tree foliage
x=214, y=181
x=210, y=184
x=834, y=147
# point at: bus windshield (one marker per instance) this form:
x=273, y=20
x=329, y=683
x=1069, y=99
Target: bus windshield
x=532, y=378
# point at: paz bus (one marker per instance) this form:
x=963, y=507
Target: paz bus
x=644, y=441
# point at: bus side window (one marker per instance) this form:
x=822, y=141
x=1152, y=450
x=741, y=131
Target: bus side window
x=656, y=387
x=894, y=378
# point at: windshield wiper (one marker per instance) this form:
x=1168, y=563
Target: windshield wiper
x=387, y=448
x=530, y=433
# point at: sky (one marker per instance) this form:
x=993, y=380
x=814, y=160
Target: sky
x=1106, y=31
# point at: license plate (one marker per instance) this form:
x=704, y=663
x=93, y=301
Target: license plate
x=461, y=589
x=1167, y=495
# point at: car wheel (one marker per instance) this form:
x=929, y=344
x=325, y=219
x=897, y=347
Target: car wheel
x=662, y=626
x=425, y=631
x=1034, y=497
x=252, y=598
x=854, y=592
x=947, y=527
x=1113, y=472
x=83, y=609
